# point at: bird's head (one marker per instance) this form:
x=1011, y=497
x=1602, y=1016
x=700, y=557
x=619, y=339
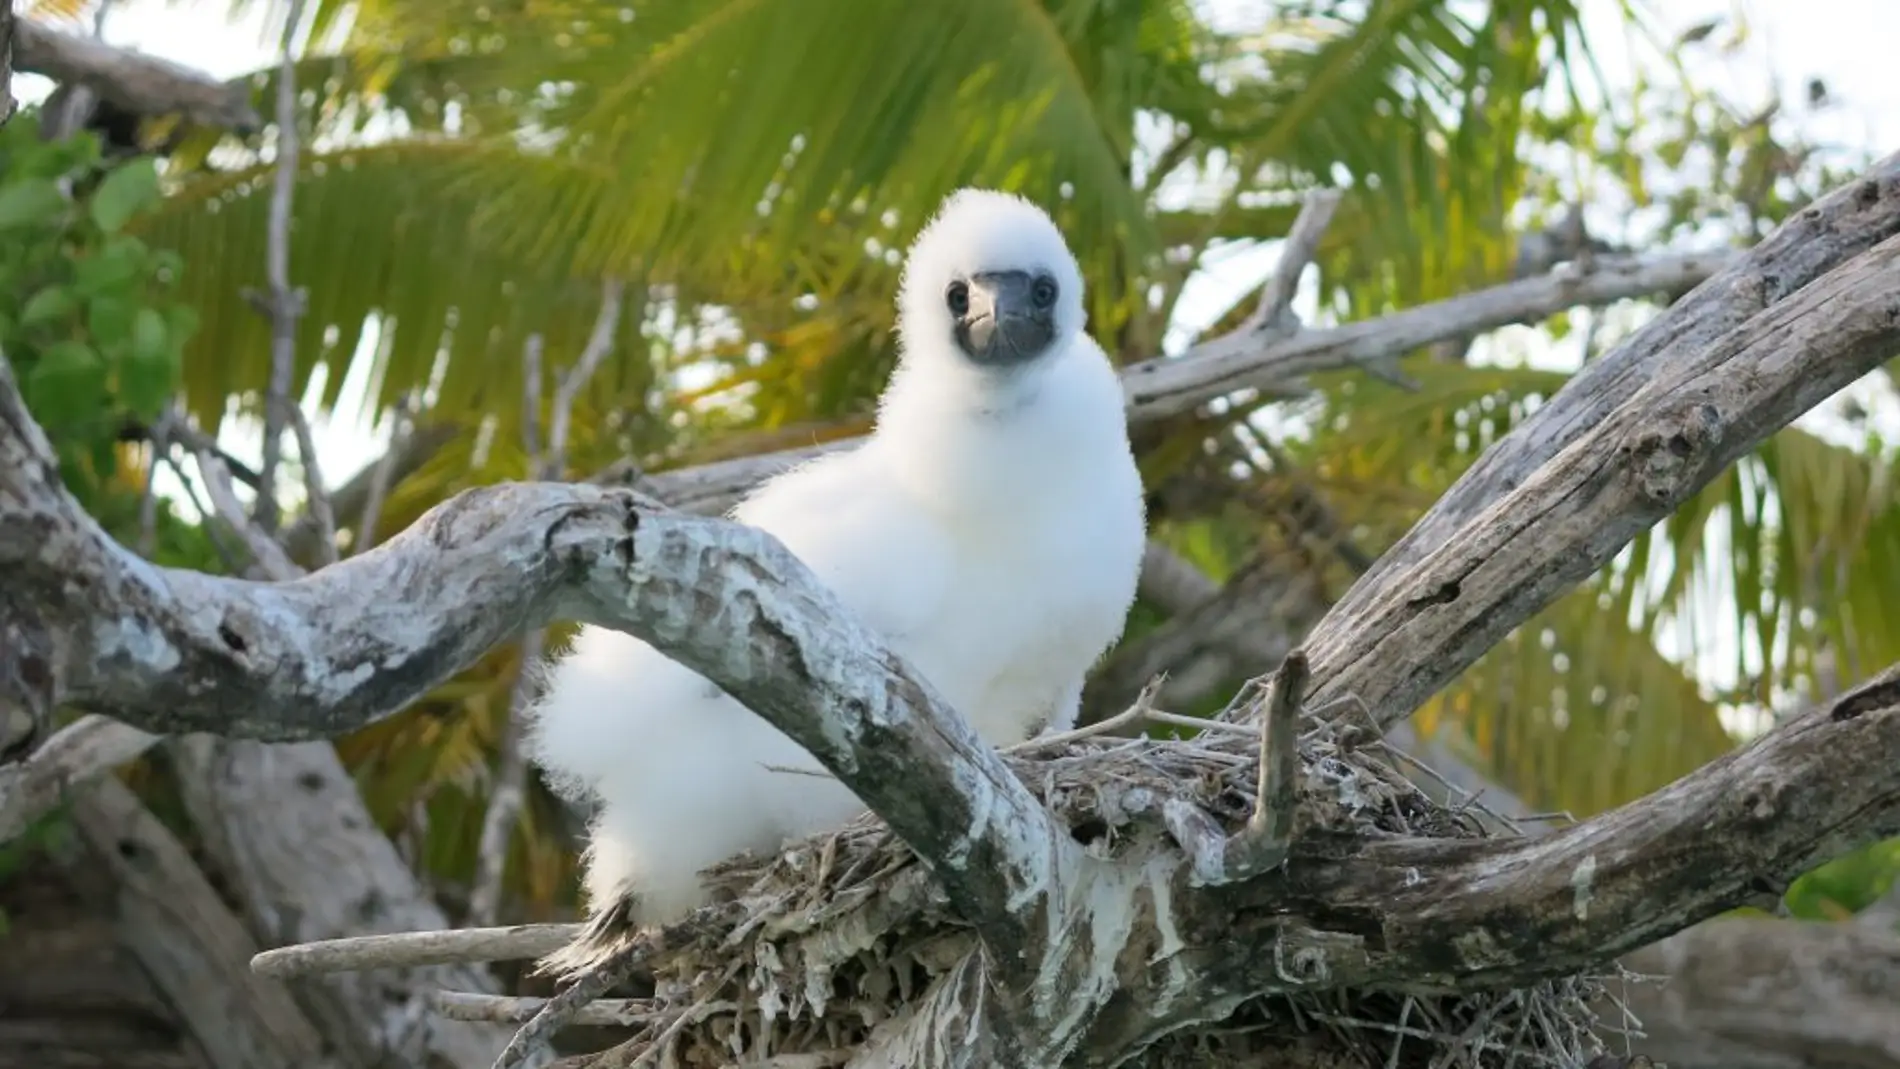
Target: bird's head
x=989, y=281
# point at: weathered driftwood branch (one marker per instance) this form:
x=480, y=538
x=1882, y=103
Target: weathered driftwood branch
x=134, y=81
x=1262, y=845
x=62, y=765
x=179, y=651
x=1705, y=409
x=1822, y=237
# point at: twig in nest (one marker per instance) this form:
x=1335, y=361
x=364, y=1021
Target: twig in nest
x=1263, y=843
x=1141, y=710
x=706, y=1006
x=533, y=1046
x=508, y=1009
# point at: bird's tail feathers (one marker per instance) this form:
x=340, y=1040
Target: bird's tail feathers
x=609, y=934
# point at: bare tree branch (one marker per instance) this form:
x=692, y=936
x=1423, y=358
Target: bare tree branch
x=1695, y=416
x=8, y=105
x=63, y=764
x=382, y=475
x=266, y=554
x=1262, y=844
x=139, y=83
x=1825, y=235
x=1275, y=312
x=283, y=305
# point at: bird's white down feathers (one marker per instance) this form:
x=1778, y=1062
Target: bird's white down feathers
x=991, y=528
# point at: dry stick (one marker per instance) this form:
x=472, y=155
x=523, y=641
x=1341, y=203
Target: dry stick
x=160, y=442
x=504, y=802
x=532, y=1046
x=508, y=1009
x=414, y=949
x=1263, y=843
x=266, y=554
x=7, y=103
x=317, y=497
x=282, y=305
x=382, y=475
x=1275, y=312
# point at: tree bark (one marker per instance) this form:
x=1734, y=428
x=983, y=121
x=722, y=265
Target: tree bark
x=134, y=81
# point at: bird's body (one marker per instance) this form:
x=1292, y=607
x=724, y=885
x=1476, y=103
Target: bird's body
x=990, y=528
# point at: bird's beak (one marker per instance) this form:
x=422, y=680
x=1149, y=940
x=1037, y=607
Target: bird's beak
x=1003, y=326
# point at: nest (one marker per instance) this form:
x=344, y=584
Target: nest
x=809, y=951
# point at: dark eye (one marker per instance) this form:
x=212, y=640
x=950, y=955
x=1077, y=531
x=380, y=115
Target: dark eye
x=1043, y=292
x=958, y=298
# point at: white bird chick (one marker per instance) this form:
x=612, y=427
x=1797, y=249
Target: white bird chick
x=990, y=529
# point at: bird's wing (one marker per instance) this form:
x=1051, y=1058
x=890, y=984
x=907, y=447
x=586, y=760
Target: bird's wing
x=884, y=557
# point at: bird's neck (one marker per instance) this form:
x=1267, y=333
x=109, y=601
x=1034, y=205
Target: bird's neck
x=971, y=439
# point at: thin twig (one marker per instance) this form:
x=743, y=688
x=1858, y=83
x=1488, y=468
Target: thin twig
x=533, y=1045
x=317, y=497
x=1263, y=843
x=507, y=1009
x=382, y=476
x=160, y=444
x=7, y=103
x=231, y=558
x=283, y=306
x=531, y=403
x=600, y=342
x=266, y=554
x=1275, y=312
x=411, y=949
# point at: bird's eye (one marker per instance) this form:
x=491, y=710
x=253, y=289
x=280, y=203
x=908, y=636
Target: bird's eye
x=1044, y=292
x=958, y=298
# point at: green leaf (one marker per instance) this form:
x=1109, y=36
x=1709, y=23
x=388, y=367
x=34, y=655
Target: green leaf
x=181, y=322
x=127, y=190
x=67, y=383
x=150, y=370
x=48, y=305
x=35, y=200
x=117, y=264
x=109, y=319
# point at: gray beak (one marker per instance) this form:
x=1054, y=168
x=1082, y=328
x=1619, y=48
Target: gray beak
x=1003, y=326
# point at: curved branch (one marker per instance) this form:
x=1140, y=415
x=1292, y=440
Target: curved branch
x=174, y=651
